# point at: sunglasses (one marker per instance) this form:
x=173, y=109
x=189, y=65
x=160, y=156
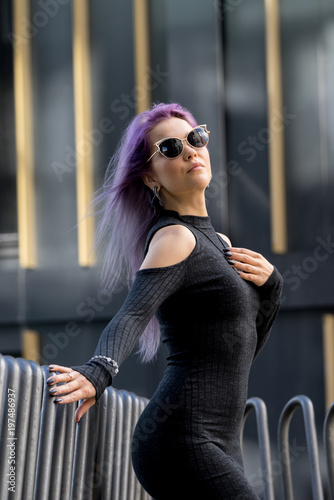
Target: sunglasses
x=172, y=147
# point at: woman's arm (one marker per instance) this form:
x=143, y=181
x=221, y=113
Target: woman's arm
x=270, y=295
x=161, y=275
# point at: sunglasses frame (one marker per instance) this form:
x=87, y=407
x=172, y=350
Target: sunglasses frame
x=157, y=144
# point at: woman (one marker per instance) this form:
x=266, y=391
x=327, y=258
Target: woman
x=215, y=305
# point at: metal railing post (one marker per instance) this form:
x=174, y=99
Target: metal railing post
x=328, y=436
x=264, y=443
x=311, y=441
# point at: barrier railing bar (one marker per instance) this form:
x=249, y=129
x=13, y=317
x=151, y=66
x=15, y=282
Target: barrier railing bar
x=80, y=458
x=311, y=441
x=328, y=436
x=12, y=376
x=264, y=442
x=44, y=456
x=33, y=430
x=23, y=404
x=126, y=447
x=109, y=451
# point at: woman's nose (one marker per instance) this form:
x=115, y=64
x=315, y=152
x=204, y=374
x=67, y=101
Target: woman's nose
x=189, y=152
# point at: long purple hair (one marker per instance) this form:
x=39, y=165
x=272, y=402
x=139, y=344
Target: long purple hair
x=126, y=215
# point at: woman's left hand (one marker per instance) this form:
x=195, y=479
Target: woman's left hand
x=252, y=266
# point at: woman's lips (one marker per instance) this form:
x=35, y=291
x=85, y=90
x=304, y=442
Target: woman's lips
x=196, y=166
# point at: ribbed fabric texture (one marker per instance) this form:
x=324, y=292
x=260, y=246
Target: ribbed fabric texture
x=187, y=441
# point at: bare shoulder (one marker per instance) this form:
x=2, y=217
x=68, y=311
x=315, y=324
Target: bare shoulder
x=225, y=238
x=169, y=246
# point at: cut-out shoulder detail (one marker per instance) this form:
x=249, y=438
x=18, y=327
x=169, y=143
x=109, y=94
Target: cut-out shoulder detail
x=225, y=238
x=170, y=245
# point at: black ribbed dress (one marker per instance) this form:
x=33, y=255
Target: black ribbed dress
x=186, y=444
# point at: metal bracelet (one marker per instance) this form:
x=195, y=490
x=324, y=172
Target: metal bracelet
x=109, y=360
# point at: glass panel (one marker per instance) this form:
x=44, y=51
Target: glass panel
x=306, y=28
x=8, y=209
x=114, y=92
x=247, y=133
x=307, y=41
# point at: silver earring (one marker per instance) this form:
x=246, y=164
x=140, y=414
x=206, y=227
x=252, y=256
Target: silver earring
x=156, y=202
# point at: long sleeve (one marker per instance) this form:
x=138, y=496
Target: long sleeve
x=149, y=290
x=270, y=295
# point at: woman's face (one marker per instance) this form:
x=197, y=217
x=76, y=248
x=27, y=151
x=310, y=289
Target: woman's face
x=178, y=177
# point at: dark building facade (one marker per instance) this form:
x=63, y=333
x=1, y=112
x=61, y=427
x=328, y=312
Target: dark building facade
x=74, y=73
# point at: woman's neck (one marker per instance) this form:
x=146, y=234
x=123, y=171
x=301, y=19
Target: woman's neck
x=187, y=207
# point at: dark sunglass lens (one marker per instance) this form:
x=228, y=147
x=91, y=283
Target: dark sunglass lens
x=171, y=148
x=198, y=137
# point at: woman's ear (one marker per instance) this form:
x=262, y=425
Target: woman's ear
x=149, y=180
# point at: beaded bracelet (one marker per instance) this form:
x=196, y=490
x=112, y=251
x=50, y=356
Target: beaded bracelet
x=109, y=360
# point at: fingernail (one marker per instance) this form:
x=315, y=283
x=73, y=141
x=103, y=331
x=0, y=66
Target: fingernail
x=51, y=367
x=228, y=254
x=230, y=261
x=226, y=249
x=57, y=400
x=53, y=391
x=50, y=381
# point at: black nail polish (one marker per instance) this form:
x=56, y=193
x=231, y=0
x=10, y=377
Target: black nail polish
x=53, y=391
x=57, y=400
x=228, y=254
x=227, y=249
x=50, y=381
x=230, y=261
x=51, y=367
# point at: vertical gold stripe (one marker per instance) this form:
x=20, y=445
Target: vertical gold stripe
x=142, y=54
x=24, y=136
x=328, y=350
x=83, y=130
x=31, y=345
x=276, y=128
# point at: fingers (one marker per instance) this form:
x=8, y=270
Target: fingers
x=245, y=251
x=64, y=394
x=65, y=374
x=245, y=255
x=74, y=386
x=58, y=368
x=83, y=408
x=250, y=265
x=242, y=259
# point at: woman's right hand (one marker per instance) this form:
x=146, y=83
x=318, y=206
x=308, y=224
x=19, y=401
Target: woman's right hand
x=77, y=387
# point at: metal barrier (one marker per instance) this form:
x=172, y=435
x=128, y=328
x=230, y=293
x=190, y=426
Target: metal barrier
x=312, y=446
x=329, y=448
x=264, y=443
x=45, y=455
